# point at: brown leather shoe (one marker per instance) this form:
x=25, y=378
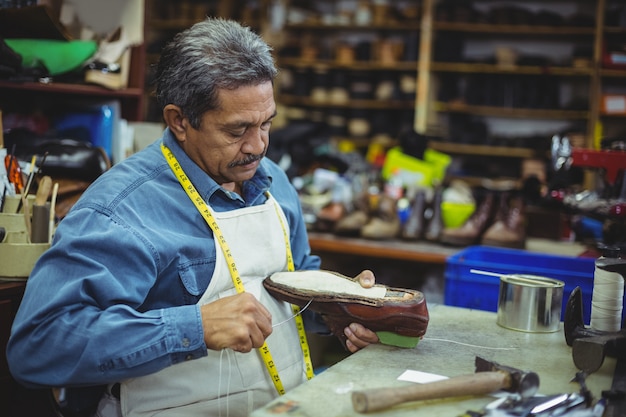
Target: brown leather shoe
x=434, y=229
x=352, y=223
x=472, y=230
x=385, y=223
x=413, y=229
x=341, y=300
x=329, y=215
x=509, y=228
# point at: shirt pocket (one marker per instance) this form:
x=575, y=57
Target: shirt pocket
x=195, y=277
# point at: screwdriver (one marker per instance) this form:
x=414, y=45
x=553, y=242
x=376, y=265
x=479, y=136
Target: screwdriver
x=14, y=173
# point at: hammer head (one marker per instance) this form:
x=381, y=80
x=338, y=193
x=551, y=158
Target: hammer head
x=524, y=383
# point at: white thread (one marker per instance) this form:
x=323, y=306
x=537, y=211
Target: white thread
x=219, y=385
x=295, y=315
x=607, y=300
x=468, y=344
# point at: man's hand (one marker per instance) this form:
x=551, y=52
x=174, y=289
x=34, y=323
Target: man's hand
x=359, y=336
x=239, y=322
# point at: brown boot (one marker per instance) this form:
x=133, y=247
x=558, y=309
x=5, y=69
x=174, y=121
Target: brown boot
x=413, y=229
x=329, y=215
x=352, y=223
x=471, y=231
x=435, y=225
x=385, y=224
x=509, y=229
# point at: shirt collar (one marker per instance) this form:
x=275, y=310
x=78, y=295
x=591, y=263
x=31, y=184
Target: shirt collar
x=205, y=185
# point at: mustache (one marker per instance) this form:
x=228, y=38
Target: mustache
x=248, y=160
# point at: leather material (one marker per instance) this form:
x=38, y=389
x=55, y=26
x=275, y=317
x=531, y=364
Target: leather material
x=472, y=230
x=400, y=311
x=385, y=223
x=329, y=215
x=509, y=228
x=352, y=223
x=435, y=225
x=413, y=229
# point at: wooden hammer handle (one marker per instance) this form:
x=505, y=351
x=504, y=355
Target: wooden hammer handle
x=473, y=384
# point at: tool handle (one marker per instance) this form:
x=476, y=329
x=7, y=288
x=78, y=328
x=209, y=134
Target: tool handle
x=43, y=191
x=473, y=384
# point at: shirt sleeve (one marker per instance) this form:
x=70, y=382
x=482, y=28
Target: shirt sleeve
x=81, y=320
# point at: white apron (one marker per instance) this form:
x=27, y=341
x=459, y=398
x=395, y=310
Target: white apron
x=228, y=383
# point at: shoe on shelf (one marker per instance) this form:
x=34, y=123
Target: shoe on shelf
x=341, y=300
x=470, y=232
x=352, y=223
x=113, y=76
x=329, y=215
x=509, y=227
x=414, y=227
x=385, y=222
x=435, y=224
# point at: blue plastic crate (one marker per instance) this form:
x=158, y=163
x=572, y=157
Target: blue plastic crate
x=470, y=290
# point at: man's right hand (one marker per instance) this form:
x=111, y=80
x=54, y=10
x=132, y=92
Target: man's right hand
x=239, y=322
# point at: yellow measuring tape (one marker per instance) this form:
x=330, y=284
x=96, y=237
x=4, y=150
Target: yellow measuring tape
x=205, y=211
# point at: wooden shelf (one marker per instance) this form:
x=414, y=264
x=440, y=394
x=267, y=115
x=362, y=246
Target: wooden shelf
x=514, y=29
x=131, y=98
x=361, y=66
x=511, y=112
x=481, y=68
x=71, y=89
x=351, y=104
x=388, y=249
x=391, y=26
x=481, y=150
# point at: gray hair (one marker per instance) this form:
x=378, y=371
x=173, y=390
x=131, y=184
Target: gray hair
x=212, y=55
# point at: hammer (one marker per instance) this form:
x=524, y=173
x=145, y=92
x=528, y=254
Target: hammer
x=489, y=377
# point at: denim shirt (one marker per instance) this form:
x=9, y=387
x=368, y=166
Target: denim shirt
x=115, y=296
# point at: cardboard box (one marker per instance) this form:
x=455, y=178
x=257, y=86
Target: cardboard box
x=613, y=104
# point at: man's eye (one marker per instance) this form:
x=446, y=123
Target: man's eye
x=238, y=133
x=266, y=125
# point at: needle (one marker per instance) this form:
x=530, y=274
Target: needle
x=53, y=200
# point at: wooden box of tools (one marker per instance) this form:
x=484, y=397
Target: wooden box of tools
x=17, y=254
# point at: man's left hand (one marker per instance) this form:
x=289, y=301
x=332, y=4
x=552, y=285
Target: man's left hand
x=358, y=335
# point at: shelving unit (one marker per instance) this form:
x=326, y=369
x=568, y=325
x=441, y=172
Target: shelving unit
x=165, y=18
x=551, y=82
x=611, y=76
x=30, y=96
x=356, y=72
x=33, y=95
x=576, y=80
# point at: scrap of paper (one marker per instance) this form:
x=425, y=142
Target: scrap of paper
x=420, y=377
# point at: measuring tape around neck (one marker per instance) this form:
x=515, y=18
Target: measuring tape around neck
x=208, y=217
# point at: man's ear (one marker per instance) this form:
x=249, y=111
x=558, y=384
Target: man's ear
x=176, y=121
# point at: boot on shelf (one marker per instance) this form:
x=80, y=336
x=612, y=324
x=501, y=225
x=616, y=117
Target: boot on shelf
x=435, y=224
x=385, y=223
x=354, y=221
x=472, y=230
x=414, y=227
x=329, y=215
x=509, y=227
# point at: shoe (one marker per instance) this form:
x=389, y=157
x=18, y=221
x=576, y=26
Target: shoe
x=472, y=230
x=341, y=300
x=385, y=223
x=509, y=227
x=113, y=76
x=413, y=229
x=351, y=224
x=329, y=215
x=435, y=224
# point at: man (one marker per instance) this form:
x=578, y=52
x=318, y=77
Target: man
x=153, y=285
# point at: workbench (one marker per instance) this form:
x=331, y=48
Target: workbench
x=455, y=336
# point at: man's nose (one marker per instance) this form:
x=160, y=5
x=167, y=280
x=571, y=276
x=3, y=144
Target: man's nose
x=255, y=142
